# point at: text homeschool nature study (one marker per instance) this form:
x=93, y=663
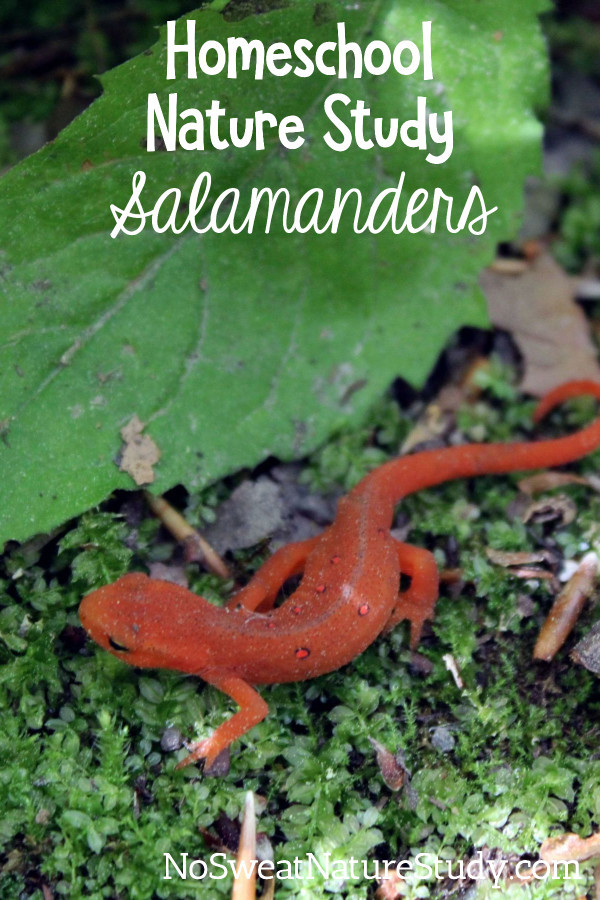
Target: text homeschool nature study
x=170, y=129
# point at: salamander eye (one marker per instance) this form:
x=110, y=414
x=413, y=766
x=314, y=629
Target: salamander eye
x=120, y=647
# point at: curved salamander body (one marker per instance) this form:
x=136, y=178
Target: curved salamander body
x=348, y=595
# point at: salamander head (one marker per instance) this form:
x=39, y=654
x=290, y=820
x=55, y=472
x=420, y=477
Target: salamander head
x=147, y=622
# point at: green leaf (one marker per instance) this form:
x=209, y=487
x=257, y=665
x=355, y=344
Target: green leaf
x=95, y=840
x=76, y=819
x=151, y=689
x=236, y=347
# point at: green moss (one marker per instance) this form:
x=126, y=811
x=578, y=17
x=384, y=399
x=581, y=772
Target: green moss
x=350, y=455
x=579, y=226
x=91, y=803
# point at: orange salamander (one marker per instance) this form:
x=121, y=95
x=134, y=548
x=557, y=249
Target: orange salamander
x=348, y=595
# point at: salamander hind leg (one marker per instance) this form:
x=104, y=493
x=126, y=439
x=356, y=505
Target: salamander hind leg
x=253, y=710
x=262, y=590
x=417, y=603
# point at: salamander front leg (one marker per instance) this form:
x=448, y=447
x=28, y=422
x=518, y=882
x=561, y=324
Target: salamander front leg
x=261, y=591
x=417, y=603
x=253, y=710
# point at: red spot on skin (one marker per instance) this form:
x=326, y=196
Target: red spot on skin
x=335, y=560
x=302, y=653
x=363, y=609
x=296, y=610
x=321, y=588
x=271, y=625
x=381, y=531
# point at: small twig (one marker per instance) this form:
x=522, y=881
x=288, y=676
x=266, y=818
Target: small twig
x=452, y=667
x=566, y=609
x=244, y=886
x=196, y=547
x=437, y=418
x=451, y=576
x=507, y=265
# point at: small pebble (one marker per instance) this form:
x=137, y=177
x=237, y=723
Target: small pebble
x=171, y=740
x=442, y=739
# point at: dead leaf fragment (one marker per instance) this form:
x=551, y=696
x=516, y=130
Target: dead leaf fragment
x=438, y=417
x=527, y=573
x=547, y=481
x=549, y=509
x=522, y=564
x=391, y=887
x=392, y=771
x=570, y=847
x=139, y=453
x=524, y=558
x=509, y=265
x=538, y=308
x=42, y=816
x=566, y=609
x=452, y=667
x=587, y=651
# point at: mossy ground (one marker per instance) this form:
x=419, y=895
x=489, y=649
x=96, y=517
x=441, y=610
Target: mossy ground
x=89, y=800
x=91, y=803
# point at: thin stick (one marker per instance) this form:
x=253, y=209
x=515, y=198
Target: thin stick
x=244, y=886
x=197, y=549
x=566, y=609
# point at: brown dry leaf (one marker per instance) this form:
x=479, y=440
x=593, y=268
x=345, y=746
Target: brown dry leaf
x=538, y=308
x=522, y=879
x=523, y=564
x=438, y=417
x=566, y=609
x=392, y=771
x=547, y=481
x=433, y=424
x=587, y=651
x=525, y=558
x=391, y=887
x=139, y=454
x=559, y=507
x=570, y=847
x=527, y=573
